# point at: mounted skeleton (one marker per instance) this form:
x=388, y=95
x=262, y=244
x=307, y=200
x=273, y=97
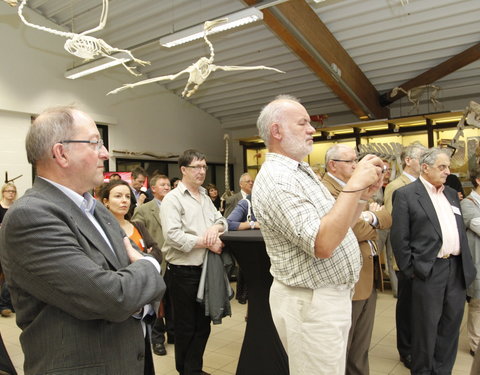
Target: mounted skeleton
x=415, y=94
x=228, y=193
x=471, y=116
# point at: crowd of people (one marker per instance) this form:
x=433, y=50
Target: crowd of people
x=99, y=284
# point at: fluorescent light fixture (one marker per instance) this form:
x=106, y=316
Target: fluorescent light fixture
x=319, y=1
x=97, y=65
x=240, y=18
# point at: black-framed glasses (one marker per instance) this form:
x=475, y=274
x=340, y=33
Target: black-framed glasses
x=354, y=161
x=198, y=168
x=97, y=142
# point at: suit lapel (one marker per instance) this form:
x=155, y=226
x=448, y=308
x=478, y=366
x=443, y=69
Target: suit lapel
x=81, y=220
x=156, y=212
x=114, y=234
x=427, y=205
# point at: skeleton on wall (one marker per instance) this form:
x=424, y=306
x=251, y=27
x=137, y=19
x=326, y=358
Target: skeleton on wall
x=199, y=71
x=415, y=94
x=471, y=116
x=85, y=46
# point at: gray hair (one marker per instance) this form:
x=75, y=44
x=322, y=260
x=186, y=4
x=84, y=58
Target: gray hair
x=51, y=126
x=272, y=113
x=412, y=151
x=242, y=176
x=334, y=152
x=430, y=156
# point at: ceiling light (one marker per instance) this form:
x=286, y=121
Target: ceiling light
x=97, y=65
x=196, y=32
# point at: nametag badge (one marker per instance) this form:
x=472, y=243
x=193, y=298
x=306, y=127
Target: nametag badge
x=456, y=210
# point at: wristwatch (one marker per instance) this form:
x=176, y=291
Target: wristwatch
x=252, y=225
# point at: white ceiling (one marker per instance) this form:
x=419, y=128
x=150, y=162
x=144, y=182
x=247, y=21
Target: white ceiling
x=390, y=43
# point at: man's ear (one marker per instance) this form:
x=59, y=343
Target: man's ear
x=276, y=131
x=58, y=151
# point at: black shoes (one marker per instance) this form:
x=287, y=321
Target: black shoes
x=159, y=349
x=472, y=353
x=407, y=361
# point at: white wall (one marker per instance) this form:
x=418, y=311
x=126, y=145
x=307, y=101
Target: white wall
x=32, y=67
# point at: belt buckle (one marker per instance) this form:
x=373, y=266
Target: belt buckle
x=446, y=256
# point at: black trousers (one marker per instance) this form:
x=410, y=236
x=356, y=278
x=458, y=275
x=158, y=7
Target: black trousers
x=165, y=325
x=437, y=311
x=403, y=315
x=192, y=327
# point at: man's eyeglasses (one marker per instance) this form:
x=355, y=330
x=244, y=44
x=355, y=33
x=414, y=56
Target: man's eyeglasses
x=10, y=191
x=98, y=143
x=354, y=161
x=198, y=168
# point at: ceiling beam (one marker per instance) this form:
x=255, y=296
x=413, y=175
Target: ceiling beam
x=443, y=69
x=299, y=27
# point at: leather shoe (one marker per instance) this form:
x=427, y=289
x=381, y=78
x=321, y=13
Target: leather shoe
x=407, y=361
x=159, y=349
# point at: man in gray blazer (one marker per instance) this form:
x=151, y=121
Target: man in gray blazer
x=79, y=289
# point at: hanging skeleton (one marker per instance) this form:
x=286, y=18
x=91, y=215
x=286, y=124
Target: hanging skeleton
x=84, y=46
x=415, y=94
x=199, y=71
x=228, y=192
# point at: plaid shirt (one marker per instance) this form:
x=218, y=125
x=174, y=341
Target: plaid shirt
x=289, y=202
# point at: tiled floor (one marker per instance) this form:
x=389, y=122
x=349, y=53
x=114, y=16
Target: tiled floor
x=225, y=341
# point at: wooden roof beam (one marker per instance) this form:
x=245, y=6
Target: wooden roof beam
x=299, y=27
x=434, y=74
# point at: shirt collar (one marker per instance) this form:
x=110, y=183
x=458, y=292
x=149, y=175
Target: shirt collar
x=432, y=188
x=184, y=189
x=340, y=182
x=85, y=202
x=286, y=161
x=410, y=177
x=475, y=196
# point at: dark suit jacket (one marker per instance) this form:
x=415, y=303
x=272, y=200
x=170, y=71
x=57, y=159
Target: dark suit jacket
x=74, y=298
x=416, y=236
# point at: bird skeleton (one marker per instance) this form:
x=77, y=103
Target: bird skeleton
x=85, y=46
x=199, y=71
x=415, y=94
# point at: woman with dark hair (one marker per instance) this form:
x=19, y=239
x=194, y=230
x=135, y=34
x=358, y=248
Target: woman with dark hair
x=117, y=197
x=213, y=194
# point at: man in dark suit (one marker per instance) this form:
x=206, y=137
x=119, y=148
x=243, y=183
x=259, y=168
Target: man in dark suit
x=430, y=246
x=79, y=289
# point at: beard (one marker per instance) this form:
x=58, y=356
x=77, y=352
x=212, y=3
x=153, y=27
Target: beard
x=295, y=148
